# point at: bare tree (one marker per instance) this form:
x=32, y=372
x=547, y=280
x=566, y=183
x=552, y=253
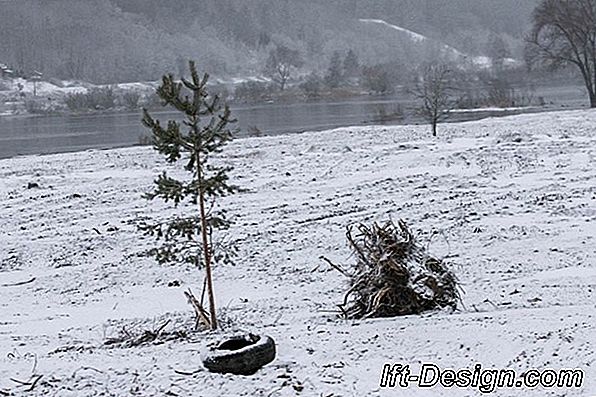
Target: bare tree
x=564, y=33
x=376, y=78
x=434, y=90
x=280, y=63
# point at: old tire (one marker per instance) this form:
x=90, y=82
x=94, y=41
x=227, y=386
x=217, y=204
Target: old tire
x=240, y=355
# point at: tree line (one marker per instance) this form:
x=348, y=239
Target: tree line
x=109, y=41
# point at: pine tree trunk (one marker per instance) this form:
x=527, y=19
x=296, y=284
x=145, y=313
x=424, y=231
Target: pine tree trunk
x=206, y=247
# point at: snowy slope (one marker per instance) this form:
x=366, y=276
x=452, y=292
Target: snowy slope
x=446, y=50
x=513, y=197
x=413, y=35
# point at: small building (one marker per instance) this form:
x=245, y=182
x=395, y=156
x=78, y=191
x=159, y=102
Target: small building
x=5, y=71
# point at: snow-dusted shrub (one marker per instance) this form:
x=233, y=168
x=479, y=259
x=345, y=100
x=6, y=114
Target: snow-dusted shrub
x=131, y=99
x=34, y=106
x=377, y=79
x=513, y=137
x=97, y=98
x=312, y=85
x=253, y=91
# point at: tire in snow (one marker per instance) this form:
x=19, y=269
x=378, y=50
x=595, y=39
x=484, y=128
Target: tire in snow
x=240, y=355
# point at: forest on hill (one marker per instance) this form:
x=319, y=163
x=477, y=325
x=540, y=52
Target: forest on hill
x=107, y=41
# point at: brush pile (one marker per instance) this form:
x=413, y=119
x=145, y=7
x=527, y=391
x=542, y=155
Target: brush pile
x=394, y=275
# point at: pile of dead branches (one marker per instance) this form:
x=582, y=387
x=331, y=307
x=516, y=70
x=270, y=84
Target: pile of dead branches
x=394, y=275
x=135, y=336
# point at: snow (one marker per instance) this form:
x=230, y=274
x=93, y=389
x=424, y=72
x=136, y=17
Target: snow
x=450, y=52
x=52, y=94
x=413, y=35
x=43, y=87
x=513, y=199
x=240, y=80
x=492, y=109
x=68, y=87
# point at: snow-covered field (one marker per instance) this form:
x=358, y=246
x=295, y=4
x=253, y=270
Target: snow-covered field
x=513, y=200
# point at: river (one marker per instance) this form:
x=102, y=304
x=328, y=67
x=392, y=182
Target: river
x=62, y=133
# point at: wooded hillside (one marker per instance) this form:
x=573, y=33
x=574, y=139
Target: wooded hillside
x=128, y=40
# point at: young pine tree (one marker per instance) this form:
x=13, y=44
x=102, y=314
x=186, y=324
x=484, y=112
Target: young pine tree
x=334, y=76
x=204, y=132
x=351, y=65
